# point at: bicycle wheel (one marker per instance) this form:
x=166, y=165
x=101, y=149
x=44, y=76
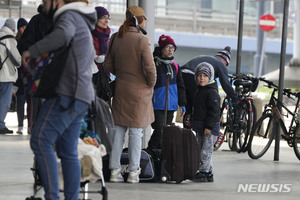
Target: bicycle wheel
x=261, y=136
x=297, y=142
x=245, y=123
x=230, y=139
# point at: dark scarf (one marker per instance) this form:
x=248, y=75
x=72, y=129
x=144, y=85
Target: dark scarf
x=101, y=35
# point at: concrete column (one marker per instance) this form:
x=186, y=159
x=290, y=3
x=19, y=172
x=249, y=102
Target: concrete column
x=149, y=8
x=296, y=46
x=132, y=3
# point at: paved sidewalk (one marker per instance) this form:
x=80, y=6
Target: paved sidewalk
x=232, y=170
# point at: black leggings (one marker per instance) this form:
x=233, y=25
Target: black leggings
x=157, y=125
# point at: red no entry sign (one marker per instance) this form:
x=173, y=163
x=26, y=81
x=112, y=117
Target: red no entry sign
x=267, y=22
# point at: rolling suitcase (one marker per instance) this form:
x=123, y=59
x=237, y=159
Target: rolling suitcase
x=179, y=155
x=180, y=149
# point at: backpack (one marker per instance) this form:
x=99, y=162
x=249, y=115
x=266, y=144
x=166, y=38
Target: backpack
x=9, y=54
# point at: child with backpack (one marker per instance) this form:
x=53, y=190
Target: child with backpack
x=166, y=66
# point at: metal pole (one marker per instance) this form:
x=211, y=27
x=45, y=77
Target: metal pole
x=259, y=55
x=281, y=74
x=240, y=37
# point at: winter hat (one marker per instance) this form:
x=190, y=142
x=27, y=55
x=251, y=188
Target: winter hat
x=101, y=11
x=137, y=11
x=164, y=40
x=10, y=23
x=225, y=53
x=205, y=68
x=21, y=22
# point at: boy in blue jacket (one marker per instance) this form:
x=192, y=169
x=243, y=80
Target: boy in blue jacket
x=206, y=115
x=164, y=62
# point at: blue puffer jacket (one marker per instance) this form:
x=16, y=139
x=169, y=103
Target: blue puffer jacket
x=176, y=94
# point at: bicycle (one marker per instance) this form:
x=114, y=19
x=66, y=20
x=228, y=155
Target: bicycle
x=263, y=132
x=240, y=117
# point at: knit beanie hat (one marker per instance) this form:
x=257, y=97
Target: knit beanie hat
x=21, y=22
x=11, y=24
x=164, y=40
x=225, y=53
x=205, y=68
x=101, y=11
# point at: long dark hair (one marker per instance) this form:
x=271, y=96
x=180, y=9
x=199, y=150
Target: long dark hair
x=129, y=21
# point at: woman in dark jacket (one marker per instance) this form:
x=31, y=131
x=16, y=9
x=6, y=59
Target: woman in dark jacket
x=101, y=35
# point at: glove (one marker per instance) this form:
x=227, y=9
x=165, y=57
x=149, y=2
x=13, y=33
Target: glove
x=183, y=108
x=99, y=59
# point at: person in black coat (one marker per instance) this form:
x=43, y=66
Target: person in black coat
x=219, y=63
x=206, y=115
x=38, y=26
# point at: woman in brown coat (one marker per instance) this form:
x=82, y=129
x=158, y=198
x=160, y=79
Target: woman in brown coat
x=130, y=59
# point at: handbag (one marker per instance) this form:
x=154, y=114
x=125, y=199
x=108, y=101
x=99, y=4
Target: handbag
x=51, y=73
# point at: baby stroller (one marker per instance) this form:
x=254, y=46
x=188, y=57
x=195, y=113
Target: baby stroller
x=94, y=141
x=83, y=148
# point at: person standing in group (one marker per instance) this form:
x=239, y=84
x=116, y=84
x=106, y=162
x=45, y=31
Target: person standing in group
x=164, y=61
x=130, y=59
x=219, y=63
x=60, y=118
x=206, y=115
x=22, y=92
x=8, y=70
x=38, y=26
x=101, y=35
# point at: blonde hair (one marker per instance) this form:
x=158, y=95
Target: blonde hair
x=129, y=21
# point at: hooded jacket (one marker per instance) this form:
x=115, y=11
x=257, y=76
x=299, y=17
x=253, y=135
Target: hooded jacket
x=9, y=72
x=73, y=23
x=206, y=106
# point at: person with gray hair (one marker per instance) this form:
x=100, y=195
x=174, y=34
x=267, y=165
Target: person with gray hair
x=206, y=115
x=8, y=70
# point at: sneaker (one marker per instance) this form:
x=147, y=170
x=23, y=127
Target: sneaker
x=133, y=176
x=200, y=177
x=86, y=166
x=20, y=130
x=116, y=176
x=5, y=130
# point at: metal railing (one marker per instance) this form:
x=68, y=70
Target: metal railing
x=218, y=22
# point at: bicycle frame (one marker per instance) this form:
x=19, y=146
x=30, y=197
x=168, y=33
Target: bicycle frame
x=273, y=104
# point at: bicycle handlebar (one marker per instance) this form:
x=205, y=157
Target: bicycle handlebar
x=286, y=91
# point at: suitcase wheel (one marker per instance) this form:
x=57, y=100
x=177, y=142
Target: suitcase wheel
x=164, y=178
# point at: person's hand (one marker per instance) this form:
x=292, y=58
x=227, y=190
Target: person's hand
x=99, y=59
x=182, y=110
x=26, y=57
x=207, y=131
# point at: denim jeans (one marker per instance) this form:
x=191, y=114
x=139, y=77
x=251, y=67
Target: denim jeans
x=134, y=147
x=58, y=124
x=5, y=100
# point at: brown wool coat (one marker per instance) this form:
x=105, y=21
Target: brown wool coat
x=130, y=59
